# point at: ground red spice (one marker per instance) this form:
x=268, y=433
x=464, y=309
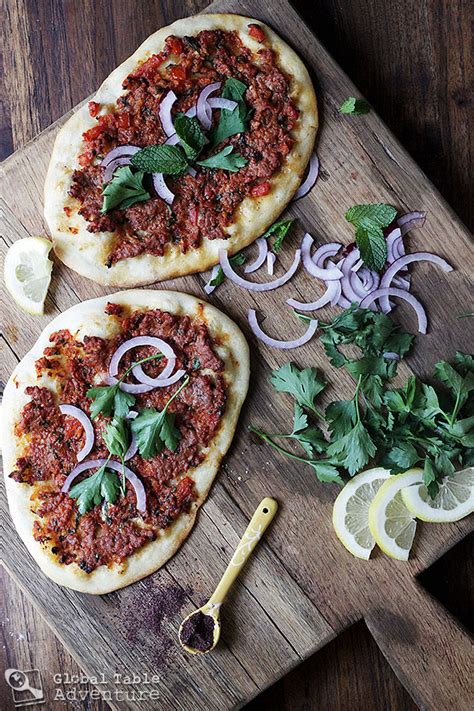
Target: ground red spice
x=109, y=532
x=204, y=205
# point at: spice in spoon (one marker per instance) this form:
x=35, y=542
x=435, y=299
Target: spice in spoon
x=197, y=632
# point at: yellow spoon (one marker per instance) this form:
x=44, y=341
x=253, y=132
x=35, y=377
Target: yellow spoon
x=200, y=631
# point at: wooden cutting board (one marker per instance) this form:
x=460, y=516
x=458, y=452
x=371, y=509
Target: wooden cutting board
x=301, y=588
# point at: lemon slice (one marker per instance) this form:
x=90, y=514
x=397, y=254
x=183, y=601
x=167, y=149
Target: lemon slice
x=455, y=499
x=27, y=272
x=350, y=515
x=390, y=522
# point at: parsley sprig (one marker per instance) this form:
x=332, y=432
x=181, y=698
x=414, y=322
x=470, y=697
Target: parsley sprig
x=418, y=424
x=155, y=429
x=354, y=106
x=103, y=484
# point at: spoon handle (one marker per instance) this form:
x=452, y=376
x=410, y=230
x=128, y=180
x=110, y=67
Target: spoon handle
x=260, y=521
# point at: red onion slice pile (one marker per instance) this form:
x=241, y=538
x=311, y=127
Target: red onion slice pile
x=311, y=267
x=410, y=220
x=403, y=262
x=116, y=466
x=275, y=343
x=252, y=286
x=146, y=383
x=165, y=113
x=80, y=416
x=310, y=179
x=262, y=245
x=330, y=296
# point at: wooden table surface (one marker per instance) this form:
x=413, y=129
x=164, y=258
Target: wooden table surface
x=412, y=62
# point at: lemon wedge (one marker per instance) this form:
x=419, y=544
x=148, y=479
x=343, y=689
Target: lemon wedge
x=350, y=515
x=454, y=501
x=27, y=273
x=391, y=523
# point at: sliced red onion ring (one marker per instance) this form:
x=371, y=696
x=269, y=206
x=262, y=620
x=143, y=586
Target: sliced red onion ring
x=357, y=265
x=252, y=286
x=271, y=259
x=159, y=382
x=401, y=283
x=133, y=388
x=191, y=113
x=112, y=167
x=390, y=355
x=403, y=262
x=344, y=303
x=119, y=152
x=262, y=245
x=162, y=189
x=351, y=284
x=221, y=103
x=116, y=466
x=203, y=110
x=133, y=449
x=275, y=343
x=324, y=251
x=410, y=220
x=385, y=292
x=137, y=342
x=330, y=296
x=165, y=113
x=370, y=280
x=393, y=238
x=80, y=416
x=172, y=140
x=318, y=272
x=192, y=171
x=209, y=288
x=310, y=179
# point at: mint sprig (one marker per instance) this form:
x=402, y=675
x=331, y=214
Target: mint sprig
x=354, y=106
x=370, y=221
x=124, y=190
x=169, y=160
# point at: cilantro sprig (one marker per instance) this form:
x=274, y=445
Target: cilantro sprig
x=279, y=230
x=236, y=259
x=417, y=424
x=354, y=106
x=370, y=221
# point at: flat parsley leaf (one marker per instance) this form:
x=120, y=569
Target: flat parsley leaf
x=235, y=121
x=166, y=159
x=109, y=399
x=102, y=484
x=125, y=189
x=370, y=221
x=190, y=135
x=280, y=230
x=354, y=106
x=356, y=448
x=116, y=437
x=154, y=430
x=305, y=385
x=237, y=259
x=309, y=436
x=226, y=159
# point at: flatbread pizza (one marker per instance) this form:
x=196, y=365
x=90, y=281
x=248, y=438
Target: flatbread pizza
x=113, y=429
x=195, y=143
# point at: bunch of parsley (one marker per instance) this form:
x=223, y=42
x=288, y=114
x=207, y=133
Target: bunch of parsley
x=415, y=425
x=126, y=187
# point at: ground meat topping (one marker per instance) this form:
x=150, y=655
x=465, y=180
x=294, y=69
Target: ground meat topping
x=111, y=532
x=204, y=204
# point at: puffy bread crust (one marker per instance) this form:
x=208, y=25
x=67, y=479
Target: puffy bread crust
x=86, y=253
x=88, y=318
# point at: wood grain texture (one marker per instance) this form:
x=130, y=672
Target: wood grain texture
x=44, y=24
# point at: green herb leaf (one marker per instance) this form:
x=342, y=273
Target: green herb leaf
x=237, y=259
x=305, y=385
x=109, y=399
x=116, y=437
x=280, y=230
x=125, y=189
x=166, y=159
x=369, y=221
x=309, y=436
x=190, y=135
x=356, y=448
x=90, y=491
x=225, y=160
x=155, y=430
x=354, y=106
x=231, y=122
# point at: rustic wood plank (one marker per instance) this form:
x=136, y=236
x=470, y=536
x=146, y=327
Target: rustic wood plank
x=362, y=162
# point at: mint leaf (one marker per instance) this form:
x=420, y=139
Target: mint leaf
x=372, y=247
x=169, y=160
x=280, y=230
x=305, y=385
x=237, y=259
x=354, y=106
x=231, y=122
x=369, y=221
x=225, y=160
x=125, y=189
x=190, y=135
